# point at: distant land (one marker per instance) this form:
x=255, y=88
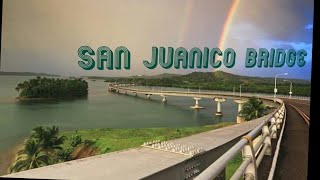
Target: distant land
x=3, y=73
x=205, y=75
x=217, y=80
x=164, y=75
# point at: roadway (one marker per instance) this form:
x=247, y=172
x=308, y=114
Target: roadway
x=293, y=155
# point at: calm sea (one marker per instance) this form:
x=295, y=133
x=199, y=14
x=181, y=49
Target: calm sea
x=101, y=109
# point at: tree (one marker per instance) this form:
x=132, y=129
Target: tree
x=253, y=108
x=44, y=147
x=48, y=138
x=52, y=88
x=65, y=155
x=30, y=157
x=76, y=140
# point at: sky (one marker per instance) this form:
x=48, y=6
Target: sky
x=45, y=35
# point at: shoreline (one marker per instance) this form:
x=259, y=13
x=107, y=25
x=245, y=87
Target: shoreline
x=8, y=157
x=44, y=99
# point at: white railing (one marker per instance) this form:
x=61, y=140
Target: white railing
x=254, y=146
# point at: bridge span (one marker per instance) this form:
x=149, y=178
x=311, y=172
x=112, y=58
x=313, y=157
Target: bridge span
x=201, y=156
x=218, y=97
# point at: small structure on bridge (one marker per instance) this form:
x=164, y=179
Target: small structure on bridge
x=219, y=101
x=148, y=96
x=164, y=98
x=196, y=106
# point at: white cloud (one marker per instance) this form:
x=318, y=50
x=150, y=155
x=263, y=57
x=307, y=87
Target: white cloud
x=309, y=27
x=247, y=34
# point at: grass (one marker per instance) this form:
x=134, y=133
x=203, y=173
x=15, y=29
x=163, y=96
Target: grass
x=110, y=140
x=233, y=165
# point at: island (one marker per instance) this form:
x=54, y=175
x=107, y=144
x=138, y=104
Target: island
x=52, y=88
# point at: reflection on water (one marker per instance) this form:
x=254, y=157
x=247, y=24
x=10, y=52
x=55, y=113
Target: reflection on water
x=36, y=102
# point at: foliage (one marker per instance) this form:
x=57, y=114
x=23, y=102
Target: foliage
x=48, y=138
x=76, y=140
x=65, y=155
x=253, y=108
x=52, y=88
x=45, y=146
x=233, y=165
x=40, y=149
x=88, y=142
x=110, y=140
x=31, y=156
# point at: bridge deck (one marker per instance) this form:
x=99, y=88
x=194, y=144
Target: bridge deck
x=293, y=155
x=137, y=163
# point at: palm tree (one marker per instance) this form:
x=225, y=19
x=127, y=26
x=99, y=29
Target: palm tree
x=51, y=87
x=65, y=155
x=30, y=157
x=253, y=108
x=48, y=139
x=19, y=87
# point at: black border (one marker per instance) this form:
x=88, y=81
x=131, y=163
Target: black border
x=314, y=149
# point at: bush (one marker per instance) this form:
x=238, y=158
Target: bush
x=76, y=140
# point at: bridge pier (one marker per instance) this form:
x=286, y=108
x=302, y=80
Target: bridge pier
x=240, y=118
x=219, y=101
x=164, y=98
x=196, y=106
x=148, y=96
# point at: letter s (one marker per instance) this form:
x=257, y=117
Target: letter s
x=82, y=54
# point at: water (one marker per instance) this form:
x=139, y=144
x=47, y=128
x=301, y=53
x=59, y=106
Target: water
x=102, y=109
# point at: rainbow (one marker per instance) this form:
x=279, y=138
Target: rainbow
x=185, y=21
x=226, y=26
x=227, y=23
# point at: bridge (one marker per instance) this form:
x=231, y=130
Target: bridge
x=201, y=156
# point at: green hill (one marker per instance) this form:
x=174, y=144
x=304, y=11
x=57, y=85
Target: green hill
x=164, y=75
x=220, y=80
x=236, y=79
